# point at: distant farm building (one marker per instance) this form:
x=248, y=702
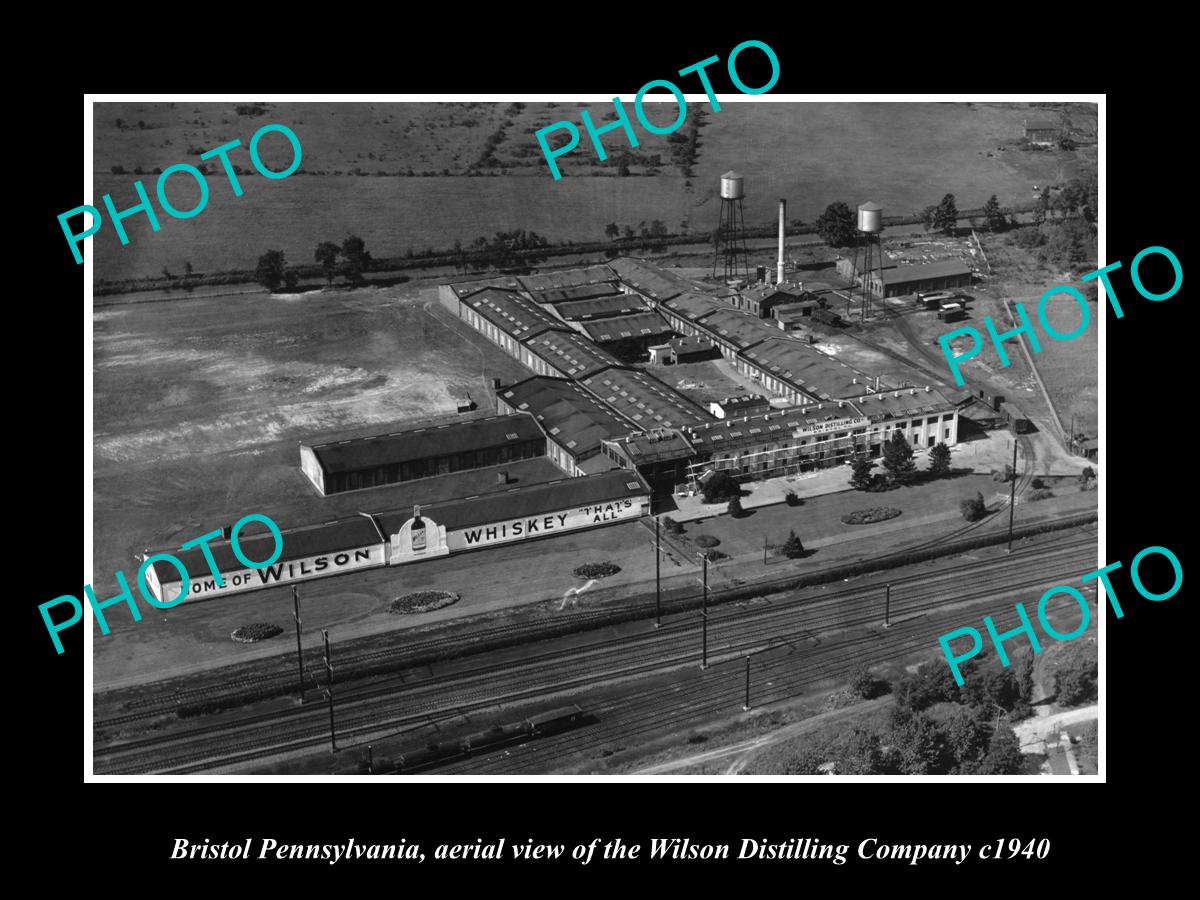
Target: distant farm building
x=1042, y=132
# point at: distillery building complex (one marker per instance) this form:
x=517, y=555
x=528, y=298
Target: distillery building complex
x=590, y=436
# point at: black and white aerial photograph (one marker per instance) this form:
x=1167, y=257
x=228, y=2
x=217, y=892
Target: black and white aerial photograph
x=725, y=452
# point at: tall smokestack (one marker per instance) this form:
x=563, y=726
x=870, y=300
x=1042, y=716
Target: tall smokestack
x=782, y=219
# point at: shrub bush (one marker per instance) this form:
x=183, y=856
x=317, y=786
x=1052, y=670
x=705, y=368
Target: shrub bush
x=973, y=508
x=1042, y=494
x=1038, y=484
x=735, y=507
x=714, y=555
x=596, y=570
x=793, y=547
x=791, y=499
x=258, y=631
x=705, y=540
x=1003, y=475
x=868, y=516
x=672, y=526
x=422, y=601
x=720, y=486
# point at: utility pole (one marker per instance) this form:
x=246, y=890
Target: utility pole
x=370, y=760
x=299, y=652
x=746, y=705
x=764, y=549
x=887, y=608
x=704, y=618
x=1012, y=495
x=329, y=693
x=657, y=577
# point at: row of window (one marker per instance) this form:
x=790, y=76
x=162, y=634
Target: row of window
x=393, y=473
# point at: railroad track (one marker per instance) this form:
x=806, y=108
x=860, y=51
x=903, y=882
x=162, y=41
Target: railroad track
x=398, y=704
x=235, y=691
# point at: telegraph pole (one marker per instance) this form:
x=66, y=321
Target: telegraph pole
x=704, y=618
x=887, y=608
x=299, y=652
x=657, y=577
x=329, y=693
x=746, y=705
x=1012, y=495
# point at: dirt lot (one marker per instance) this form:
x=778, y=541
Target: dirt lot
x=199, y=404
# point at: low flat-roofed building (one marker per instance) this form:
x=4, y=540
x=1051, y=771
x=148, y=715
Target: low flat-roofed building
x=684, y=311
x=934, y=276
x=801, y=373
x=761, y=299
x=450, y=295
x=741, y=405
x=574, y=421
x=567, y=354
x=847, y=266
x=355, y=463
x=644, y=400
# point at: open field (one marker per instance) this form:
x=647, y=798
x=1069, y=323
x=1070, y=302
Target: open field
x=904, y=156
x=199, y=404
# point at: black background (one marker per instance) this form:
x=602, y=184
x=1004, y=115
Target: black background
x=1146, y=465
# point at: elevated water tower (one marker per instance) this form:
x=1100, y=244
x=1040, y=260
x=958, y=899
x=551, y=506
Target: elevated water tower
x=731, y=254
x=868, y=255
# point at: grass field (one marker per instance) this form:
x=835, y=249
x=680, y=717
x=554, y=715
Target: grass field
x=904, y=156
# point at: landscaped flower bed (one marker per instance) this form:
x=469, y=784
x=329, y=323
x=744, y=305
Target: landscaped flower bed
x=259, y=631
x=422, y=601
x=870, y=516
x=596, y=570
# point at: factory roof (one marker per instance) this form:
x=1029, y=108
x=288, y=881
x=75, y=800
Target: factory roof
x=737, y=327
x=571, y=353
x=570, y=416
x=465, y=288
x=643, y=399
x=693, y=306
x=653, y=281
x=512, y=313
x=822, y=376
x=567, y=278
x=870, y=206
x=652, y=446
x=942, y=268
x=776, y=425
x=566, y=493
x=615, y=328
x=732, y=406
x=576, y=292
x=906, y=402
x=761, y=292
x=691, y=343
x=423, y=443
x=611, y=305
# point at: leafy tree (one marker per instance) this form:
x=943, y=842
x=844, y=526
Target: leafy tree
x=326, y=254
x=917, y=746
x=1089, y=747
x=898, y=459
x=1042, y=207
x=864, y=684
x=945, y=214
x=1024, y=677
x=612, y=231
x=628, y=233
x=1004, y=755
x=355, y=258
x=968, y=735
x=672, y=526
x=805, y=761
x=735, y=507
x=269, y=272
x=291, y=279
x=1068, y=244
x=720, y=486
x=793, y=547
x=1075, y=681
x=939, y=459
x=973, y=509
x=836, y=225
x=187, y=270
x=1087, y=474
x=932, y=683
x=858, y=752
x=993, y=216
x=861, y=466
x=990, y=688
